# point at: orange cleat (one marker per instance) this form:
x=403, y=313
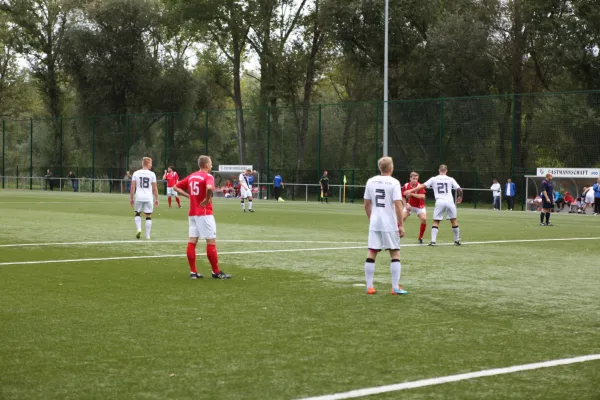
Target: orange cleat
x=371, y=290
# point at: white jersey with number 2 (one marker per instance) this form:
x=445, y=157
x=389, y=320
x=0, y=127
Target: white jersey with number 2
x=442, y=186
x=143, y=184
x=383, y=191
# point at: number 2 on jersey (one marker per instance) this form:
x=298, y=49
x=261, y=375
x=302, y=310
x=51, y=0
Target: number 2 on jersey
x=379, y=196
x=442, y=188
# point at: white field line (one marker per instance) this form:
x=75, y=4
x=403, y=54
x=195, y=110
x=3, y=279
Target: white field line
x=171, y=241
x=453, y=378
x=173, y=256
x=281, y=241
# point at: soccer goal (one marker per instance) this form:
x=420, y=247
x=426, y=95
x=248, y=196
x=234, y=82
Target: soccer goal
x=566, y=180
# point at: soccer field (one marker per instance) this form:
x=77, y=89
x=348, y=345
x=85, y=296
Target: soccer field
x=88, y=311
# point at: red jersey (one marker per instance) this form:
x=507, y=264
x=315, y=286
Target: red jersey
x=195, y=185
x=172, y=179
x=413, y=201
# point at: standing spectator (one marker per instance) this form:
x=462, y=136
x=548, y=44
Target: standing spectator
x=558, y=201
x=324, y=182
x=596, y=188
x=569, y=201
x=510, y=193
x=127, y=180
x=277, y=184
x=496, y=192
x=547, y=200
x=49, y=180
x=73, y=179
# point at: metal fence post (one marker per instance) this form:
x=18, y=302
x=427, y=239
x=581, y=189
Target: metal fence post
x=514, y=136
x=319, y=142
x=441, y=131
x=93, y=153
x=31, y=154
x=3, y=153
x=206, y=134
x=128, y=142
x=376, y=136
x=166, y=139
x=268, y=149
x=61, y=149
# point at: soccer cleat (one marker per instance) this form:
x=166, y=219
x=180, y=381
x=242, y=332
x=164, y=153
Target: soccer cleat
x=179, y=207
x=542, y=224
x=549, y=224
x=432, y=244
x=195, y=275
x=371, y=290
x=221, y=275
x=147, y=237
x=420, y=241
x=251, y=210
x=398, y=291
x=243, y=209
x=457, y=242
x=138, y=235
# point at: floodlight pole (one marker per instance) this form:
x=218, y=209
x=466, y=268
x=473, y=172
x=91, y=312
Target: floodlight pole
x=385, y=84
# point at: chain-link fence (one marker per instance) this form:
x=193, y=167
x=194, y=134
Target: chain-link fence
x=477, y=137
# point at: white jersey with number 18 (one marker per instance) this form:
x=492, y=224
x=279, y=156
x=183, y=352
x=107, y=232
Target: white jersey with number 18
x=442, y=186
x=383, y=191
x=143, y=184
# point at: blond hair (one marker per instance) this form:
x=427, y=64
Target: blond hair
x=203, y=161
x=443, y=167
x=146, y=161
x=414, y=174
x=385, y=164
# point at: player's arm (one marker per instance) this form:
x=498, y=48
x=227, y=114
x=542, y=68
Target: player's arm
x=181, y=188
x=399, y=208
x=368, y=208
x=208, y=198
x=459, y=195
x=165, y=175
x=155, y=193
x=132, y=191
x=415, y=189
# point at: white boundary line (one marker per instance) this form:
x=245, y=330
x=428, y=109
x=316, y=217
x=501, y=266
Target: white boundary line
x=172, y=256
x=453, y=378
x=170, y=241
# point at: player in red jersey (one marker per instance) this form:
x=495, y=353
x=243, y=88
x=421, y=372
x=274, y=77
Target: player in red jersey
x=198, y=188
x=415, y=203
x=172, y=179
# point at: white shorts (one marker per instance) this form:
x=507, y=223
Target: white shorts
x=244, y=193
x=415, y=210
x=442, y=206
x=384, y=240
x=203, y=227
x=143, y=206
x=171, y=192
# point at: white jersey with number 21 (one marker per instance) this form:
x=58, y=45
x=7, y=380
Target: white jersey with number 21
x=383, y=191
x=143, y=184
x=442, y=186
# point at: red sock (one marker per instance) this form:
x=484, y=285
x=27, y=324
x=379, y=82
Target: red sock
x=191, y=256
x=177, y=200
x=422, y=230
x=213, y=258
x=169, y=201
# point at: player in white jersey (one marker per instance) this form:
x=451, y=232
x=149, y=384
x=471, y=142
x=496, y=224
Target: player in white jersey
x=442, y=186
x=383, y=206
x=245, y=190
x=143, y=192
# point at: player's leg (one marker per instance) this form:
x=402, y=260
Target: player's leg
x=207, y=228
x=242, y=198
x=191, y=247
x=148, y=209
x=174, y=193
x=250, y=203
x=423, y=217
x=137, y=207
x=374, y=245
x=451, y=214
x=438, y=215
x=395, y=270
x=548, y=210
x=169, y=197
x=326, y=194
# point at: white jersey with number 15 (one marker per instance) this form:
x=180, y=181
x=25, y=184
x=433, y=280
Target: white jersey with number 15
x=383, y=191
x=143, y=184
x=442, y=186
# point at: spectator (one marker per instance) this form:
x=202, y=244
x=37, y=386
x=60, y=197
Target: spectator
x=277, y=185
x=496, y=192
x=73, y=179
x=229, y=188
x=510, y=193
x=49, y=180
x=584, y=199
x=559, y=202
x=534, y=204
x=127, y=180
x=569, y=201
x=236, y=187
x=596, y=188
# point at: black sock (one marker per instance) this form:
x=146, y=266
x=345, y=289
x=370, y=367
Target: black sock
x=326, y=199
x=542, y=217
x=547, y=217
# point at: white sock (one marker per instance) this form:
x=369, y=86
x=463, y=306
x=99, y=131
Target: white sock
x=138, y=222
x=148, y=227
x=243, y=205
x=434, y=232
x=369, y=272
x=249, y=204
x=456, y=233
x=395, y=268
